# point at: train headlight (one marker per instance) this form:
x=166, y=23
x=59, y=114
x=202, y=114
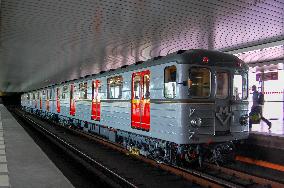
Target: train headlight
x=196, y=122
x=243, y=120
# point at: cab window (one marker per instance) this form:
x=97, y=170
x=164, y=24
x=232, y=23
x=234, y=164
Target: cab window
x=240, y=87
x=170, y=82
x=199, y=82
x=222, y=79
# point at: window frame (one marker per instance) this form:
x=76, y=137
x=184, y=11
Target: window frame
x=210, y=79
x=64, y=92
x=245, y=74
x=174, y=94
x=120, y=86
x=229, y=85
x=83, y=87
x=146, y=86
x=137, y=90
x=47, y=94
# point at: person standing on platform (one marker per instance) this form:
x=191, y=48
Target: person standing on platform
x=257, y=105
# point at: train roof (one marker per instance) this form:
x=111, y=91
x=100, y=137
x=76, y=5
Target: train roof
x=192, y=56
x=195, y=55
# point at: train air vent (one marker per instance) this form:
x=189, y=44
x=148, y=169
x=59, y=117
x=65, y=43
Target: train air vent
x=181, y=51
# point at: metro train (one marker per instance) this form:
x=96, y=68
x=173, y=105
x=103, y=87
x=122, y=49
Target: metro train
x=178, y=108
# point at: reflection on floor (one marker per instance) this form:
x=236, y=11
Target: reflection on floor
x=276, y=129
x=274, y=112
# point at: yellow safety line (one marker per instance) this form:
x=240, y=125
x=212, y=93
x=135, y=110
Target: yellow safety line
x=260, y=163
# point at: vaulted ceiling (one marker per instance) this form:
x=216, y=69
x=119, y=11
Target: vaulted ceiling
x=43, y=42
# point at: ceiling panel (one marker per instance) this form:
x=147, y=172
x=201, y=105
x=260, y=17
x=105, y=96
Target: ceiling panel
x=49, y=41
x=263, y=55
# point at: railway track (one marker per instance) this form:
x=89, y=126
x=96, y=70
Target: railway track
x=213, y=176
x=113, y=179
x=241, y=178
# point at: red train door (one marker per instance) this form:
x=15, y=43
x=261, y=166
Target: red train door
x=96, y=101
x=140, y=100
x=57, y=100
x=72, y=101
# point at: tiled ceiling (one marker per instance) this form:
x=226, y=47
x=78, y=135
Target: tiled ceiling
x=263, y=55
x=43, y=42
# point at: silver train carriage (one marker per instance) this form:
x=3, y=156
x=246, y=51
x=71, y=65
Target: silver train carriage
x=168, y=108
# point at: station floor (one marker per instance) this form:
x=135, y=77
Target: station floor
x=274, y=112
x=277, y=128
x=22, y=163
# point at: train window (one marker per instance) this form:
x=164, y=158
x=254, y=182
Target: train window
x=114, y=87
x=64, y=92
x=222, y=85
x=50, y=94
x=42, y=94
x=170, y=82
x=245, y=86
x=58, y=93
x=146, y=87
x=136, y=89
x=199, y=82
x=47, y=94
x=28, y=96
x=72, y=92
x=240, y=86
x=82, y=90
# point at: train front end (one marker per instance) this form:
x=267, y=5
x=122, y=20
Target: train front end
x=216, y=114
x=219, y=109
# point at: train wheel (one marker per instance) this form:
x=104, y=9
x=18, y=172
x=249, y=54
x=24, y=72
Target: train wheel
x=223, y=153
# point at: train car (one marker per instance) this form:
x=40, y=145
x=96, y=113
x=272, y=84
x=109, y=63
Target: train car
x=169, y=108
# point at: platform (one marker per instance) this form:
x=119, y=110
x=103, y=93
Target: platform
x=264, y=144
x=22, y=162
x=274, y=138
x=277, y=128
